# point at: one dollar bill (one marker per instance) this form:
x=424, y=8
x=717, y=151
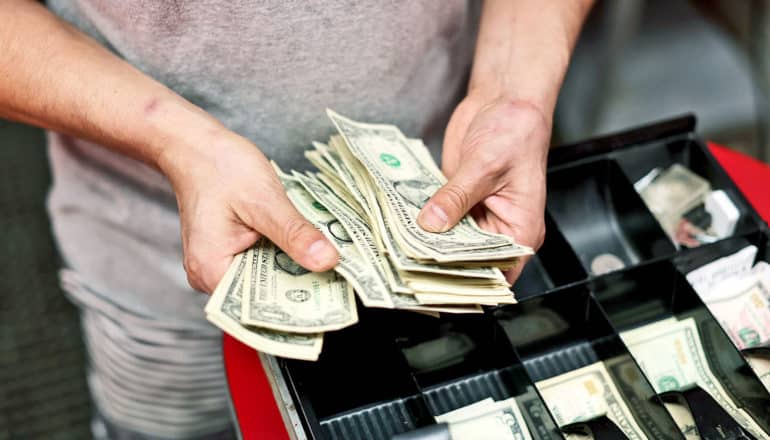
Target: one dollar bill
x=224, y=310
x=279, y=294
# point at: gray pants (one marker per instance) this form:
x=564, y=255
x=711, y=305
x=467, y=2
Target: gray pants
x=148, y=379
x=103, y=429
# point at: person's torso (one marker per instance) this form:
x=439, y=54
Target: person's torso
x=267, y=70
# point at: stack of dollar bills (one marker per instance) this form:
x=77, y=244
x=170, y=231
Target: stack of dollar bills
x=738, y=295
x=674, y=356
x=588, y=393
x=487, y=420
x=371, y=184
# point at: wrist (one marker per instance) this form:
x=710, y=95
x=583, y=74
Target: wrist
x=536, y=113
x=521, y=124
x=182, y=137
x=524, y=97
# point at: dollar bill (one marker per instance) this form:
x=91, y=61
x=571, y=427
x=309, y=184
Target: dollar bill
x=438, y=299
x=672, y=357
x=362, y=238
x=762, y=270
x=727, y=268
x=405, y=184
x=360, y=261
x=402, y=262
x=342, y=193
x=684, y=420
x=356, y=227
x=637, y=394
x=761, y=366
x=438, y=285
x=464, y=412
x=738, y=295
x=224, y=310
x=536, y=416
x=279, y=294
x=587, y=393
x=440, y=289
x=372, y=289
x=487, y=420
x=356, y=179
x=316, y=158
x=343, y=174
x=742, y=307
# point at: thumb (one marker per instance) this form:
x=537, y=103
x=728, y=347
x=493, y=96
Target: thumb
x=290, y=231
x=453, y=200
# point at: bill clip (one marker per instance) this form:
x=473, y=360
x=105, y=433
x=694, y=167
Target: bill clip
x=762, y=350
x=711, y=420
x=600, y=428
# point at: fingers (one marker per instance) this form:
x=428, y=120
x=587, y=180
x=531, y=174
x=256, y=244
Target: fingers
x=525, y=225
x=453, y=137
x=209, y=246
x=290, y=231
x=304, y=243
x=513, y=274
x=532, y=237
x=470, y=185
x=214, y=229
x=204, y=275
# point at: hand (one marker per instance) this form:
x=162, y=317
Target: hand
x=228, y=196
x=495, y=156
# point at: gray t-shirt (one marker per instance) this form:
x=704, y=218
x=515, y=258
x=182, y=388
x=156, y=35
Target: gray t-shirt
x=266, y=69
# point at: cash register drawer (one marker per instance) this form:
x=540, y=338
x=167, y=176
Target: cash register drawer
x=394, y=371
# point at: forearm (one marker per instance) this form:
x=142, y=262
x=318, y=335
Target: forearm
x=524, y=47
x=54, y=76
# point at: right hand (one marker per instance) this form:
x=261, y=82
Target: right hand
x=228, y=196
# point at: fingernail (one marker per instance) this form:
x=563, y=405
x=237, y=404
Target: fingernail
x=433, y=219
x=322, y=253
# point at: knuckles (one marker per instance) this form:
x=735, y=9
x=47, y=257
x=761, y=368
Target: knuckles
x=194, y=268
x=532, y=236
x=456, y=199
x=294, y=230
x=490, y=163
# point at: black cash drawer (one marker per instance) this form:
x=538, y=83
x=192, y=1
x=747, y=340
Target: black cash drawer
x=380, y=378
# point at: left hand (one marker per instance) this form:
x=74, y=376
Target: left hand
x=495, y=157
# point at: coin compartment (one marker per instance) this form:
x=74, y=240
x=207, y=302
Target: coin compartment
x=458, y=360
x=603, y=218
x=637, y=162
x=569, y=330
x=360, y=386
x=554, y=265
x=656, y=291
x=438, y=350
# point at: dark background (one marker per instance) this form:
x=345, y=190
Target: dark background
x=42, y=377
